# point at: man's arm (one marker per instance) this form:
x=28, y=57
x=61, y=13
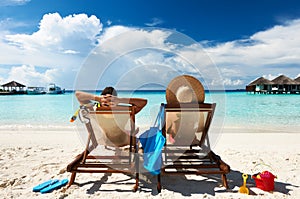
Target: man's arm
x=139, y=103
x=85, y=98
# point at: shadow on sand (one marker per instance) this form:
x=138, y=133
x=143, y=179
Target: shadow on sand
x=211, y=184
x=208, y=184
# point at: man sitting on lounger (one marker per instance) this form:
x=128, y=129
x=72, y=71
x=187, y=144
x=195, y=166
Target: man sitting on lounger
x=109, y=98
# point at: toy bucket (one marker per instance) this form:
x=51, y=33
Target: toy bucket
x=264, y=180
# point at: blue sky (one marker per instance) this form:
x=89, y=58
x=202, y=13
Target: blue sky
x=50, y=40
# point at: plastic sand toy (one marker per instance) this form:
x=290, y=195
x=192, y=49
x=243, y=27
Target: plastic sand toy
x=244, y=189
x=264, y=180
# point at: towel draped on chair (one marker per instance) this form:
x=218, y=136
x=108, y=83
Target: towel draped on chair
x=153, y=142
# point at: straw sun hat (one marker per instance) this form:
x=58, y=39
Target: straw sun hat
x=185, y=89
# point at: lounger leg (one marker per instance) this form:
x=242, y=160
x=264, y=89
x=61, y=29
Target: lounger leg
x=224, y=180
x=72, y=179
x=137, y=170
x=158, y=183
x=135, y=188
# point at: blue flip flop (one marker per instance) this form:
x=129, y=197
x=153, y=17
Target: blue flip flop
x=54, y=186
x=44, y=185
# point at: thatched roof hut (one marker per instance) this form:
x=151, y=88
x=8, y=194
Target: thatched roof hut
x=259, y=85
x=261, y=81
x=281, y=84
x=13, y=84
x=284, y=80
x=12, y=87
x=286, y=84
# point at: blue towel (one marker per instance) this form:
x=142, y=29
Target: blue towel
x=152, y=142
x=54, y=186
x=44, y=185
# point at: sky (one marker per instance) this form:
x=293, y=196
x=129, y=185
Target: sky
x=87, y=44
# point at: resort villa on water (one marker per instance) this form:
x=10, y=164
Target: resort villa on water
x=14, y=88
x=11, y=88
x=279, y=85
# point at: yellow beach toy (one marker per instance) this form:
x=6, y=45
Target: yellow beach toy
x=244, y=189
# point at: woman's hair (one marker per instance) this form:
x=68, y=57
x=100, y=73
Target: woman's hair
x=109, y=90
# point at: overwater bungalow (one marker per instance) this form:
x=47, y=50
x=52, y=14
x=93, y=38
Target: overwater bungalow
x=298, y=82
x=285, y=84
x=279, y=85
x=11, y=88
x=260, y=85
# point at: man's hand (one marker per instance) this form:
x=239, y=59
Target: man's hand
x=109, y=100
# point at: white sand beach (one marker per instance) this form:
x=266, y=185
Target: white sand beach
x=31, y=157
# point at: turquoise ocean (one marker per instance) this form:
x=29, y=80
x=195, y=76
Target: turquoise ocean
x=234, y=110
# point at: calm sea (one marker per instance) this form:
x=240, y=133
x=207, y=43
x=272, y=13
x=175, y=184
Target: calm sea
x=234, y=109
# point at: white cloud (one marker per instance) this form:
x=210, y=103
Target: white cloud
x=271, y=51
x=13, y=2
x=70, y=52
x=74, y=32
x=29, y=76
x=9, y=23
x=278, y=45
x=32, y=76
x=227, y=82
x=134, y=37
x=160, y=57
x=4, y=70
x=108, y=22
x=112, y=32
x=154, y=22
x=271, y=76
x=230, y=82
x=62, y=44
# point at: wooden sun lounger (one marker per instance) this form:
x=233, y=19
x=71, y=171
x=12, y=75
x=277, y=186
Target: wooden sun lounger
x=186, y=155
x=86, y=162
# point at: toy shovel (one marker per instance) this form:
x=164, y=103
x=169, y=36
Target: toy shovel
x=244, y=189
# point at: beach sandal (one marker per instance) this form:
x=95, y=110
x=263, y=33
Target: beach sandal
x=44, y=185
x=54, y=186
